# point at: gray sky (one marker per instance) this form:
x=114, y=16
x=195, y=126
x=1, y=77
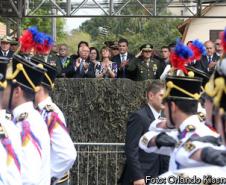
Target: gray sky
x=72, y=23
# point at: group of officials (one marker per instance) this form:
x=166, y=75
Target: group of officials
x=174, y=136
x=35, y=147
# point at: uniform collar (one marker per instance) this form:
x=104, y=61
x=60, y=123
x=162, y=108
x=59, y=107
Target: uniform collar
x=25, y=107
x=155, y=113
x=45, y=102
x=191, y=120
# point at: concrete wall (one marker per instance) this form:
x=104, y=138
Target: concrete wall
x=200, y=28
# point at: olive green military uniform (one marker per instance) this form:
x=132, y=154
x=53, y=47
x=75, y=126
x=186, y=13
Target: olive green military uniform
x=151, y=69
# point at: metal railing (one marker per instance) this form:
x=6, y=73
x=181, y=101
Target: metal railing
x=98, y=163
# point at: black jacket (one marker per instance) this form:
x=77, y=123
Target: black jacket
x=139, y=163
x=9, y=55
x=71, y=72
x=202, y=64
x=117, y=59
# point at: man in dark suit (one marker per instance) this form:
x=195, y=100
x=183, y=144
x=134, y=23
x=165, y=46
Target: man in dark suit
x=208, y=61
x=81, y=67
x=5, y=47
x=140, y=164
x=123, y=59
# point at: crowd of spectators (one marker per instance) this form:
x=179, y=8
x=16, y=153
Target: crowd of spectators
x=114, y=60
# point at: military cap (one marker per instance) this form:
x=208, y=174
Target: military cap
x=3, y=69
x=26, y=74
x=114, y=45
x=200, y=74
x=14, y=41
x=181, y=87
x=146, y=47
x=50, y=74
x=5, y=39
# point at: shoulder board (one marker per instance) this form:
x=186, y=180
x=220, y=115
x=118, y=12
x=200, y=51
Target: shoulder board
x=201, y=116
x=49, y=108
x=189, y=146
x=190, y=128
x=22, y=117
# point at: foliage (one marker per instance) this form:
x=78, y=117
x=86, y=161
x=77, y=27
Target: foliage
x=138, y=31
x=74, y=38
x=44, y=23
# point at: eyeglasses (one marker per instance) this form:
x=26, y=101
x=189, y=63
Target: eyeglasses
x=217, y=44
x=147, y=51
x=209, y=48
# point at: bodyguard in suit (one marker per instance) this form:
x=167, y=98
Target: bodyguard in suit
x=5, y=48
x=139, y=163
x=208, y=61
x=123, y=59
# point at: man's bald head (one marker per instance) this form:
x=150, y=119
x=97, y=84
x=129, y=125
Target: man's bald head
x=210, y=48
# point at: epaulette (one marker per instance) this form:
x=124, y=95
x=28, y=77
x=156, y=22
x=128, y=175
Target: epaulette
x=49, y=108
x=190, y=128
x=8, y=116
x=22, y=117
x=201, y=116
x=189, y=146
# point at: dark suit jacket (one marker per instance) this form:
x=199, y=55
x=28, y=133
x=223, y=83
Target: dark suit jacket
x=202, y=64
x=117, y=59
x=139, y=163
x=9, y=55
x=72, y=73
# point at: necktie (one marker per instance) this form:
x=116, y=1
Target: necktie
x=4, y=54
x=124, y=70
x=209, y=59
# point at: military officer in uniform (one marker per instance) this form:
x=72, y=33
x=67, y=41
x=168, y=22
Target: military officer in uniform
x=144, y=65
x=10, y=143
x=18, y=96
x=63, y=153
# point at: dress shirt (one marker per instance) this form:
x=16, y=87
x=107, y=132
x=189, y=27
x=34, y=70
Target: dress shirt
x=155, y=113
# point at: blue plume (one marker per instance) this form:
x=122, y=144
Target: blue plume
x=33, y=30
x=39, y=38
x=50, y=40
x=183, y=51
x=200, y=46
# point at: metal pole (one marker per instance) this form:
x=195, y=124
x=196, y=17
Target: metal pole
x=155, y=9
x=54, y=22
x=68, y=7
x=199, y=8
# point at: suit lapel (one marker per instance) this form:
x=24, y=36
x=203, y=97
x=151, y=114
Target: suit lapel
x=149, y=112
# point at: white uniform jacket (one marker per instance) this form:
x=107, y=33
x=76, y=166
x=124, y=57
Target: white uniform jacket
x=10, y=152
x=35, y=164
x=63, y=153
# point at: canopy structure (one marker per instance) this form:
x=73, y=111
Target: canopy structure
x=14, y=10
